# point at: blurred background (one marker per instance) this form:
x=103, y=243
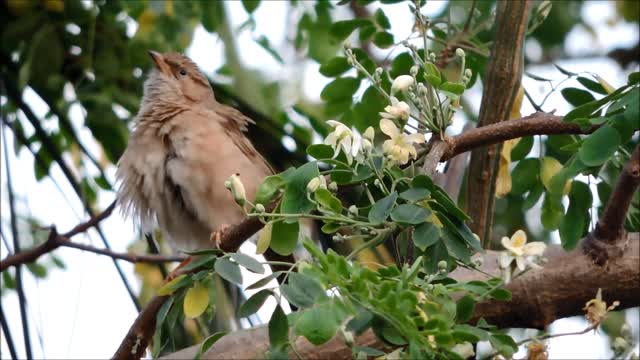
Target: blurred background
x=72, y=75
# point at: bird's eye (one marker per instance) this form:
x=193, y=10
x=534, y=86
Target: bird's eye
x=183, y=72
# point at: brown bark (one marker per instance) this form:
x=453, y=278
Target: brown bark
x=502, y=82
x=558, y=290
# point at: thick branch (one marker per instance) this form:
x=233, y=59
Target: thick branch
x=502, y=80
x=558, y=290
x=611, y=223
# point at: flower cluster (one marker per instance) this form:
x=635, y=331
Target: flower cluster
x=597, y=309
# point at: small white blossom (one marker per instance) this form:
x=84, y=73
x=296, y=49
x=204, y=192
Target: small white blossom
x=399, y=110
x=400, y=147
x=340, y=138
x=460, y=52
x=520, y=251
x=367, y=139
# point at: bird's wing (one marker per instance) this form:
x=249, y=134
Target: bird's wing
x=206, y=149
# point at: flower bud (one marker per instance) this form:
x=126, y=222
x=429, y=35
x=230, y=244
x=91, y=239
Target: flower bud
x=353, y=210
x=333, y=186
x=338, y=238
x=414, y=70
x=237, y=189
x=316, y=183
x=468, y=73
x=460, y=52
x=442, y=265
x=369, y=133
x=379, y=71
x=260, y=208
x=401, y=83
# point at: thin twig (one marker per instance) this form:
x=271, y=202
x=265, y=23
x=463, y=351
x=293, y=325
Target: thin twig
x=16, y=248
x=7, y=334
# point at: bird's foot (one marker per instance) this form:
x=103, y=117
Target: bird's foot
x=217, y=235
x=173, y=274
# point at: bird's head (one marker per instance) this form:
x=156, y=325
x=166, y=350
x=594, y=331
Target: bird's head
x=176, y=78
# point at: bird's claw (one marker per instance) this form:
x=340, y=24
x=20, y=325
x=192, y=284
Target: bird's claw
x=217, y=235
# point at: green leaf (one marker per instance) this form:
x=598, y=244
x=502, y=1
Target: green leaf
x=465, y=308
x=250, y=5
x=278, y=329
x=443, y=199
x=522, y=148
x=254, y=303
x=302, y=290
x=454, y=88
x=320, y=151
x=576, y=97
x=264, y=281
x=434, y=254
x=552, y=212
x=410, y=214
x=340, y=89
x=212, y=12
x=456, y=246
x=525, y=175
x=327, y=200
x=318, y=324
x=366, y=32
x=401, y=65
x=432, y=74
x=201, y=261
x=335, y=66
x=294, y=200
x=466, y=332
x=592, y=85
x=37, y=270
x=501, y=294
x=575, y=222
x=228, y=270
x=599, y=146
x=263, y=41
x=533, y=196
x=269, y=189
x=164, y=310
x=382, y=20
x=284, y=237
x=209, y=341
x=383, y=39
x=340, y=30
x=248, y=262
x=382, y=208
x=425, y=235
x=634, y=78
x=415, y=194
x=504, y=344
x=564, y=71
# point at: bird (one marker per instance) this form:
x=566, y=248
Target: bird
x=183, y=146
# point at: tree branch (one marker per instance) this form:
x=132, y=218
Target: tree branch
x=504, y=74
x=56, y=240
x=604, y=243
x=558, y=290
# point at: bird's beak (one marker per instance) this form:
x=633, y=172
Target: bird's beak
x=161, y=65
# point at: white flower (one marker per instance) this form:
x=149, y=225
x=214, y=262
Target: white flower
x=465, y=350
x=397, y=110
x=237, y=189
x=318, y=182
x=460, y=52
x=400, y=147
x=401, y=83
x=340, y=137
x=518, y=249
x=367, y=139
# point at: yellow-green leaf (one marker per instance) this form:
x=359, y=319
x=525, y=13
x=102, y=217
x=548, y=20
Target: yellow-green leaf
x=264, y=239
x=173, y=285
x=196, y=301
x=551, y=166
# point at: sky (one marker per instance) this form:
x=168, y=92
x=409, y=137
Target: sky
x=84, y=311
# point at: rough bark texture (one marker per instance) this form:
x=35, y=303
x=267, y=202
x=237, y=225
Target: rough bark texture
x=558, y=290
x=502, y=82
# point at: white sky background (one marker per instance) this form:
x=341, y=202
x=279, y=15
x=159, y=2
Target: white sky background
x=84, y=311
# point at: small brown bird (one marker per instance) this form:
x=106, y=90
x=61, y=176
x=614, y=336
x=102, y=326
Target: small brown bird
x=183, y=148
